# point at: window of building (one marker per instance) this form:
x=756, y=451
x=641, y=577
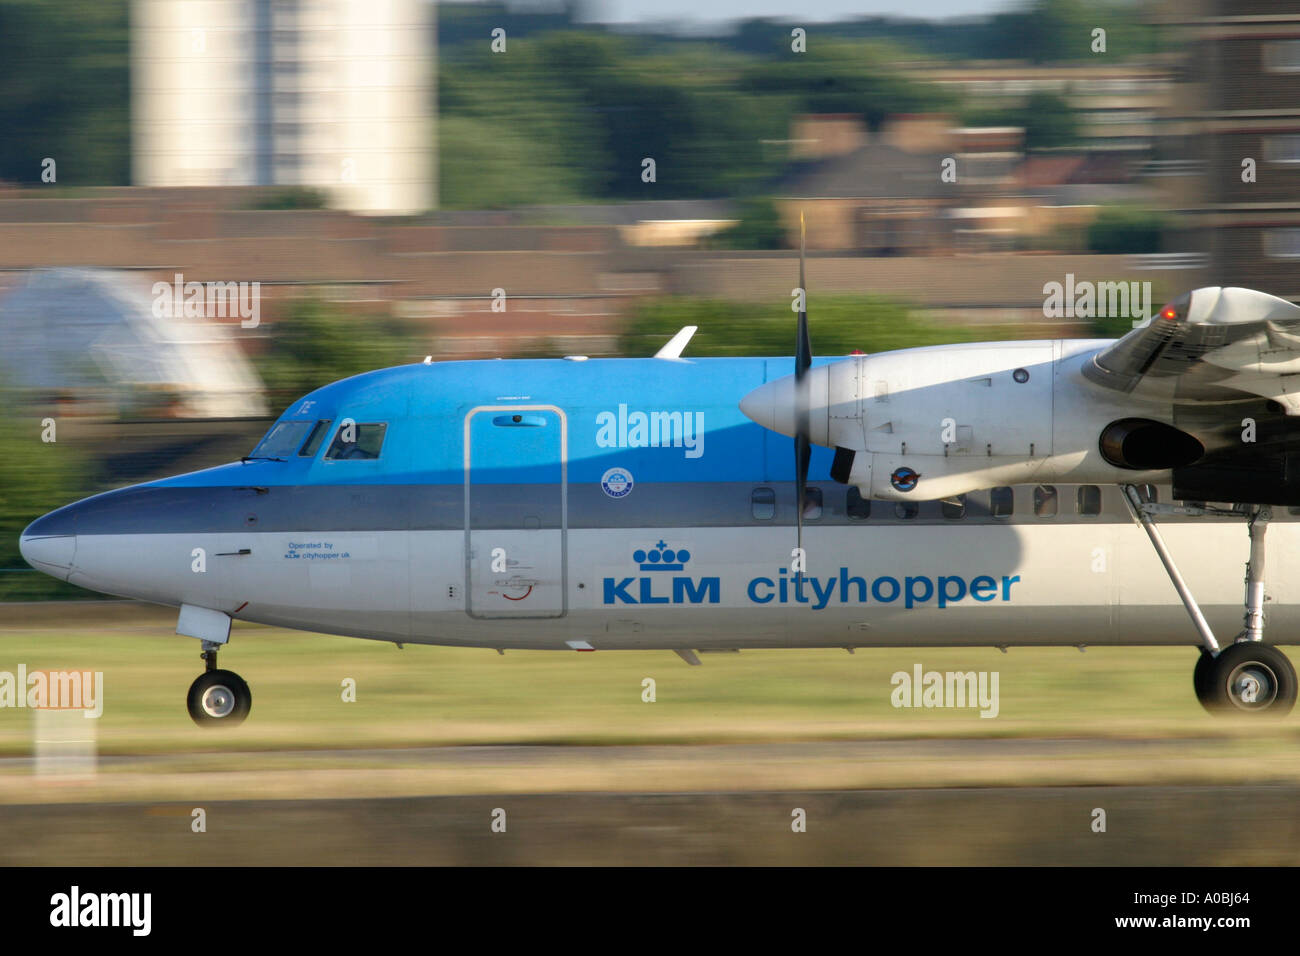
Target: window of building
x=314, y=438
x=953, y=508
x=367, y=441
x=1002, y=502
x=762, y=503
x=907, y=510
x=1046, y=501
x=812, y=503
x=857, y=507
x=1282, y=243
x=1282, y=148
x=1281, y=56
x=1089, y=500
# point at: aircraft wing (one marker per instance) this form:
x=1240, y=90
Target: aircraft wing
x=1213, y=345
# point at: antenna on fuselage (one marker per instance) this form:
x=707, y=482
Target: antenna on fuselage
x=677, y=344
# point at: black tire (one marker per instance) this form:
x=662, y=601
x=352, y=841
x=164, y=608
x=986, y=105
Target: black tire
x=219, y=699
x=1251, y=678
x=1201, y=676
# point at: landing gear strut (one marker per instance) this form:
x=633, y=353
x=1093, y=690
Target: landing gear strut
x=1248, y=676
x=218, y=698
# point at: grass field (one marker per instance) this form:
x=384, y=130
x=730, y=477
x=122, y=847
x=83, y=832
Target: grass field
x=560, y=719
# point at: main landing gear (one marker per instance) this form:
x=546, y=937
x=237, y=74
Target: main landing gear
x=1248, y=676
x=218, y=698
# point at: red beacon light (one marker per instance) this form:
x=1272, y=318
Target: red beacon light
x=1168, y=313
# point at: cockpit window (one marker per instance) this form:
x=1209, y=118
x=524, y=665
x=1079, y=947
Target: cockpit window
x=282, y=440
x=313, y=442
x=365, y=442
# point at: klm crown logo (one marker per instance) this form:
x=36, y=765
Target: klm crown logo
x=650, y=589
x=662, y=558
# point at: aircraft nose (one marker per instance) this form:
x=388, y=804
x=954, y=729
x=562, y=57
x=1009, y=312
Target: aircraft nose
x=772, y=405
x=47, y=549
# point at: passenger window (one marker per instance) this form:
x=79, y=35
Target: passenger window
x=368, y=440
x=313, y=442
x=953, y=508
x=1089, y=501
x=763, y=504
x=1046, y=501
x=812, y=504
x=907, y=509
x=858, y=507
x=1002, y=502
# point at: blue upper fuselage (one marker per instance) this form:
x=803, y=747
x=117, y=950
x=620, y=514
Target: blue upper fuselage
x=628, y=413
x=671, y=425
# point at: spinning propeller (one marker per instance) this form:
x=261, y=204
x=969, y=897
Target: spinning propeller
x=802, y=361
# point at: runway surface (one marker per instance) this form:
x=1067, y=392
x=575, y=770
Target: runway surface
x=579, y=770
x=1177, y=826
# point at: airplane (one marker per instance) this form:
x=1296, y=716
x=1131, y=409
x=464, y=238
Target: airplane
x=992, y=494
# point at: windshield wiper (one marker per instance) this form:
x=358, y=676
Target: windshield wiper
x=247, y=458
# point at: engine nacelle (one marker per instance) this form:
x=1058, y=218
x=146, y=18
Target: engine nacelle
x=940, y=421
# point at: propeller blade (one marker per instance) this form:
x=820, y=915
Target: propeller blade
x=802, y=347
x=802, y=456
x=802, y=361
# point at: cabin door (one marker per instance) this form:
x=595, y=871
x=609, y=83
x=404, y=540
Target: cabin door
x=516, y=511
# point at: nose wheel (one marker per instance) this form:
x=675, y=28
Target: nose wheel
x=218, y=698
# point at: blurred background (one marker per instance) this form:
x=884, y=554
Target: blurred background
x=379, y=169
x=395, y=179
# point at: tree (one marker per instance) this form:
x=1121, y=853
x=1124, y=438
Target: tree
x=1048, y=120
x=315, y=344
x=758, y=227
x=1124, y=230
x=839, y=324
x=65, y=73
x=35, y=477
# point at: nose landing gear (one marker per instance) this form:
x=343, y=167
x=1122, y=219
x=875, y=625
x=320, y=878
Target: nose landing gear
x=218, y=698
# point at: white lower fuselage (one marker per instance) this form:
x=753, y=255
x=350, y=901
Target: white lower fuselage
x=1061, y=580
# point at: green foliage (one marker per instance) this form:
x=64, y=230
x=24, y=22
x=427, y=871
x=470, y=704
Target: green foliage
x=1052, y=31
x=289, y=197
x=1046, y=30
x=1048, y=120
x=838, y=325
x=573, y=108
x=494, y=164
x=1126, y=230
x=758, y=227
x=538, y=348
x=575, y=113
x=64, y=73
x=35, y=477
x=837, y=76
x=315, y=344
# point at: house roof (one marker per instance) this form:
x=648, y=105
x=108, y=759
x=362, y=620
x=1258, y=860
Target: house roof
x=1075, y=169
x=873, y=171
